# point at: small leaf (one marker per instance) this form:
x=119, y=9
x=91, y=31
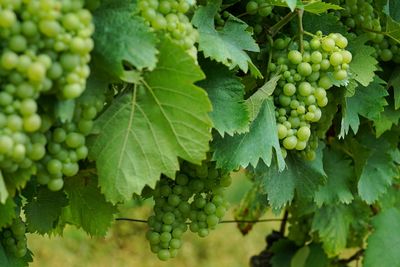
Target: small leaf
x=120, y=37
x=228, y=45
x=255, y=101
x=64, y=110
x=301, y=176
x=320, y=7
x=392, y=29
x=44, y=210
x=226, y=92
x=84, y=194
x=240, y=150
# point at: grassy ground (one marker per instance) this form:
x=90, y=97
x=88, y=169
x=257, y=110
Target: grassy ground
x=125, y=245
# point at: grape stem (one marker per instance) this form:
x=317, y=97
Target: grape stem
x=354, y=257
x=284, y=222
x=300, y=13
x=273, y=30
x=224, y=221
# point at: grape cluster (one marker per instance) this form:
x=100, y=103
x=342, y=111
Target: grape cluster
x=13, y=238
x=195, y=196
x=362, y=16
x=169, y=16
x=301, y=91
x=44, y=54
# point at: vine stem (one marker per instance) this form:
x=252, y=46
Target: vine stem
x=224, y=221
x=300, y=13
x=273, y=30
x=355, y=257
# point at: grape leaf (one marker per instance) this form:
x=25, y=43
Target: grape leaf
x=368, y=102
x=300, y=175
x=320, y=7
x=388, y=118
x=339, y=175
x=255, y=101
x=393, y=7
x=332, y=224
x=292, y=4
x=376, y=176
x=240, y=150
x=363, y=64
x=394, y=82
x=226, y=92
x=374, y=166
x=227, y=45
x=120, y=37
x=383, y=243
x=7, y=212
x=3, y=189
x=326, y=23
x=144, y=130
x=392, y=29
x=44, y=210
x=253, y=205
x=83, y=195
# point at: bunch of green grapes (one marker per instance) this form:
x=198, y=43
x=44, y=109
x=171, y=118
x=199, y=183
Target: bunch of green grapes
x=194, y=198
x=170, y=17
x=301, y=91
x=44, y=54
x=362, y=16
x=13, y=238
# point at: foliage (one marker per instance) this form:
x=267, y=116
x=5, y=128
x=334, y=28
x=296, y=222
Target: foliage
x=303, y=96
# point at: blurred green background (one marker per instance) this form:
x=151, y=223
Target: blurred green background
x=125, y=244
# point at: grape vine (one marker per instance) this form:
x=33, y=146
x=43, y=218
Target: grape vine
x=105, y=101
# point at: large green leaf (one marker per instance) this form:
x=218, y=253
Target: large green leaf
x=332, y=224
x=84, y=194
x=121, y=36
x=383, y=243
x=227, y=45
x=145, y=130
x=300, y=175
x=364, y=64
x=240, y=150
x=339, y=175
x=226, y=92
x=43, y=211
x=368, y=102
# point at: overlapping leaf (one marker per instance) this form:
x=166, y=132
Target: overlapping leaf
x=84, y=194
x=226, y=92
x=301, y=176
x=122, y=37
x=145, y=130
x=227, y=45
x=240, y=150
x=383, y=243
x=339, y=177
x=43, y=211
x=332, y=224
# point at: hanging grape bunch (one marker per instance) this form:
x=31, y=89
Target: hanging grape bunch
x=169, y=16
x=44, y=56
x=13, y=238
x=194, y=198
x=301, y=90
